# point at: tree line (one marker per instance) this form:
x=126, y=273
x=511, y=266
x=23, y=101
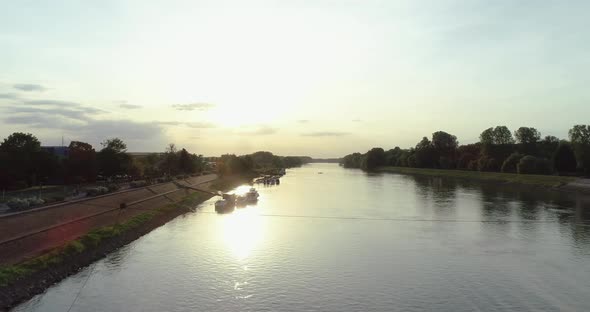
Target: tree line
x=25, y=163
x=499, y=150
x=229, y=164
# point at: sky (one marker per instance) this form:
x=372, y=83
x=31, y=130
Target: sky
x=317, y=78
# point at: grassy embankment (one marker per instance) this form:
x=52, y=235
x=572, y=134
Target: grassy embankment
x=94, y=238
x=529, y=179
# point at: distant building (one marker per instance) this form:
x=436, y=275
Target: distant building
x=59, y=151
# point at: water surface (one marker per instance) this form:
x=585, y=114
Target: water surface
x=345, y=240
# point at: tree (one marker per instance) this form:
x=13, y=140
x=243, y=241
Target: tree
x=511, y=163
x=487, y=136
x=502, y=135
x=580, y=139
x=549, y=139
x=21, y=143
x=115, y=144
x=352, y=160
x=498, y=135
x=527, y=135
x=467, y=154
x=445, y=147
x=373, y=159
x=425, y=155
x=81, y=162
x=185, y=163
x=22, y=160
x=486, y=163
x=580, y=134
x=444, y=143
x=169, y=164
x=564, y=159
x=533, y=165
x=113, y=159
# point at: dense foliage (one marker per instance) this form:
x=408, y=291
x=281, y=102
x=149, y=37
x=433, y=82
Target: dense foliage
x=229, y=164
x=497, y=150
x=25, y=163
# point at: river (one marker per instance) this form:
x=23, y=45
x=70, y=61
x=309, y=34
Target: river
x=345, y=240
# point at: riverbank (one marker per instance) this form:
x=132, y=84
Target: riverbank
x=569, y=183
x=21, y=281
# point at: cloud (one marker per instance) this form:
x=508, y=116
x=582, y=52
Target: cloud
x=10, y=96
x=42, y=113
x=325, y=134
x=168, y=123
x=199, y=125
x=187, y=124
x=80, y=122
x=302, y=121
x=89, y=129
x=259, y=130
x=64, y=105
x=29, y=87
x=129, y=106
x=51, y=102
x=193, y=106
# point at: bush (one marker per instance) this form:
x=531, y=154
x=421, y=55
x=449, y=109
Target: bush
x=58, y=198
x=511, y=162
x=95, y=191
x=485, y=163
x=34, y=202
x=24, y=203
x=136, y=184
x=17, y=204
x=112, y=187
x=533, y=165
x=564, y=159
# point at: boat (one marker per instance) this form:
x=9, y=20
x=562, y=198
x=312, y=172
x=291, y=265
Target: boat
x=221, y=204
x=226, y=204
x=241, y=201
x=252, y=195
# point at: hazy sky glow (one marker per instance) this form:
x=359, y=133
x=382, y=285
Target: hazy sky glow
x=319, y=78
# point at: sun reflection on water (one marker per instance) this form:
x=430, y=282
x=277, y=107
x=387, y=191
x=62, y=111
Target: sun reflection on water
x=243, y=230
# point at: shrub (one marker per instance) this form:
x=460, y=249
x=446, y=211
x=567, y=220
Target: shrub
x=24, y=203
x=136, y=184
x=58, y=198
x=511, y=162
x=564, y=159
x=95, y=191
x=485, y=163
x=34, y=202
x=112, y=187
x=533, y=165
x=18, y=204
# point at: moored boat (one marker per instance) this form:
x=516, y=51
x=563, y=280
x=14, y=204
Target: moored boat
x=221, y=205
x=252, y=195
